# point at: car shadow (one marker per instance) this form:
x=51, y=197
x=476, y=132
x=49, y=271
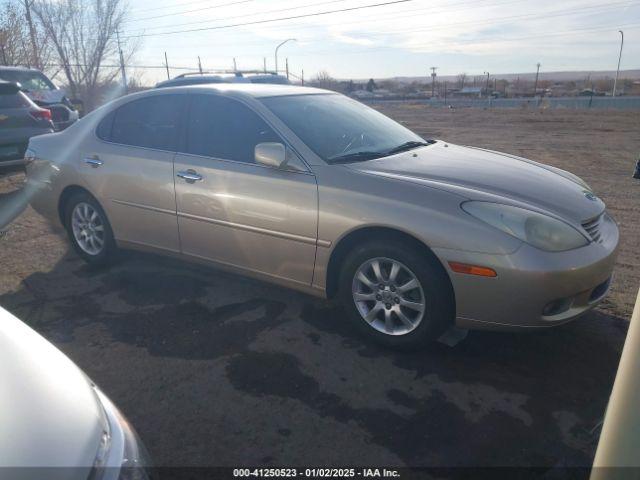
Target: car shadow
x=503, y=398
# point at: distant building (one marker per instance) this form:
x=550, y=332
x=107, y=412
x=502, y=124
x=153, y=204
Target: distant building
x=589, y=92
x=468, y=92
x=362, y=94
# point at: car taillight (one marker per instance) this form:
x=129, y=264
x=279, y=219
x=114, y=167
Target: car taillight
x=41, y=114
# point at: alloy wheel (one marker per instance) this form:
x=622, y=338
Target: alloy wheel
x=88, y=228
x=388, y=296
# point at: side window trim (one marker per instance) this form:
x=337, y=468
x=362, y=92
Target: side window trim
x=111, y=119
x=286, y=143
x=107, y=120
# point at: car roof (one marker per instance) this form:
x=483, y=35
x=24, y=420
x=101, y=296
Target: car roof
x=192, y=80
x=256, y=90
x=19, y=69
x=264, y=75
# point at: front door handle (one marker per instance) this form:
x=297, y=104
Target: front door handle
x=95, y=162
x=190, y=176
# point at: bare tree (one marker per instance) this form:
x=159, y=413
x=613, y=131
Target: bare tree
x=19, y=43
x=83, y=34
x=461, y=79
x=326, y=81
x=35, y=50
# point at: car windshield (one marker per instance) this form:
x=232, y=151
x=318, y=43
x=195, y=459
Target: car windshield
x=28, y=80
x=339, y=129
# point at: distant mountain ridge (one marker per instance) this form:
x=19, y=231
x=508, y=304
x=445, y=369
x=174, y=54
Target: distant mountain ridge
x=554, y=76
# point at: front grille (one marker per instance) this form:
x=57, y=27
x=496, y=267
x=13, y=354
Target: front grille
x=593, y=227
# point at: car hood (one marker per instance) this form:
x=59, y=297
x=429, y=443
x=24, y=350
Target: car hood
x=50, y=414
x=478, y=174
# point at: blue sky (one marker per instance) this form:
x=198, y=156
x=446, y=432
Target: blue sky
x=404, y=39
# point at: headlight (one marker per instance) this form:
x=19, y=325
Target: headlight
x=541, y=231
x=120, y=454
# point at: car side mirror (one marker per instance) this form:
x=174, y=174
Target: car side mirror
x=271, y=154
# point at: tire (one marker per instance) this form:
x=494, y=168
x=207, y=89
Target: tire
x=78, y=228
x=433, y=292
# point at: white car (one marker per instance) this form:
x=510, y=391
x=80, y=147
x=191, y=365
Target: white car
x=56, y=423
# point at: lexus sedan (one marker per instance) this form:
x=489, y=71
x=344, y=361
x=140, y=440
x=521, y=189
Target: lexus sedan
x=312, y=190
x=56, y=423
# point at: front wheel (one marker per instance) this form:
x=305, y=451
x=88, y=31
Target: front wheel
x=89, y=229
x=395, y=295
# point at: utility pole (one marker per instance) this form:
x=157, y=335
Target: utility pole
x=302, y=77
x=122, y=69
x=487, y=86
x=287, y=67
x=199, y=65
x=615, y=82
x=235, y=65
x=166, y=64
x=535, y=85
x=445, y=91
x=264, y=64
x=32, y=34
x=433, y=81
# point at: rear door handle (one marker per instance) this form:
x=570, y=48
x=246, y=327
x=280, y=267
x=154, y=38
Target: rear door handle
x=190, y=176
x=95, y=162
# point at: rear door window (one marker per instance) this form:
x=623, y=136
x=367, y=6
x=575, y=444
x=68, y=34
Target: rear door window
x=14, y=100
x=150, y=122
x=224, y=128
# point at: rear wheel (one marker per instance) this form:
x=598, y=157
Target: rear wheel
x=89, y=229
x=395, y=295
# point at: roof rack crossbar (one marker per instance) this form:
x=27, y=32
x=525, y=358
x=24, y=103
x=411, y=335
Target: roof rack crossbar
x=237, y=73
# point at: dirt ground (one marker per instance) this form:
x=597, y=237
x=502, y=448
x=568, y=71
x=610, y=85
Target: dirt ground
x=214, y=369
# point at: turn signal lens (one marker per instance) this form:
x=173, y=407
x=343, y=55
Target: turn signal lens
x=472, y=269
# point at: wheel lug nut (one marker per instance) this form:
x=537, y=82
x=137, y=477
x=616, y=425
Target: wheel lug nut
x=397, y=300
x=393, y=289
x=381, y=287
x=388, y=306
x=378, y=297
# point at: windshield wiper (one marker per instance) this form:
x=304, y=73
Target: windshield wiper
x=408, y=146
x=355, y=157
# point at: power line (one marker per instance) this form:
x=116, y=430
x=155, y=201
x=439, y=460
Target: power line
x=83, y=65
x=563, y=12
x=473, y=42
x=360, y=21
x=188, y=11
x=493, y=21
x=247, y=15
x=316, y=14
x=361, y=51
x=142, y=10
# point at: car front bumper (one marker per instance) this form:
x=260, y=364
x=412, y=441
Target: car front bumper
x=533, y=288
